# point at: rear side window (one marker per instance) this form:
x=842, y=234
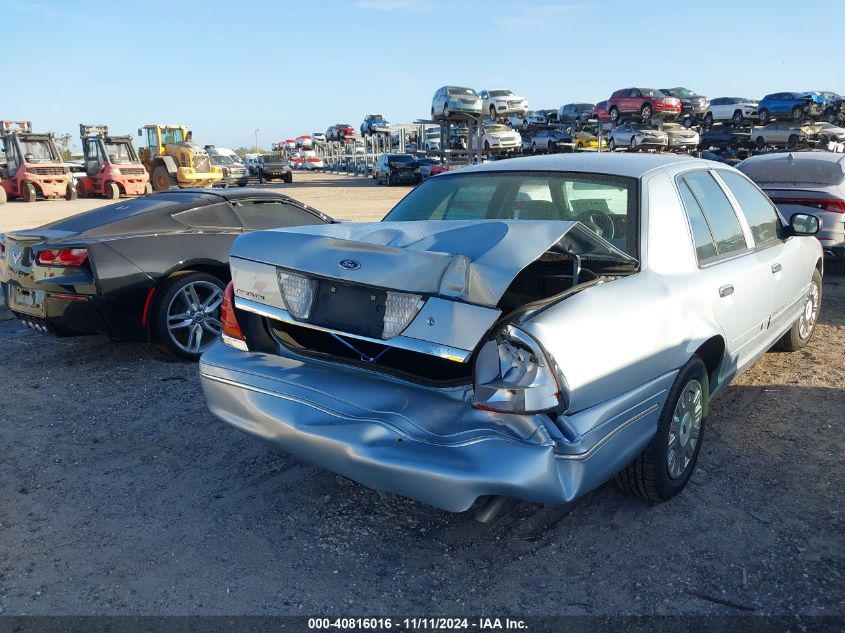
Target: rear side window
x=212, y=216
x=718, y=212
x=256, y=215
x=758, y=209
x=705, y=245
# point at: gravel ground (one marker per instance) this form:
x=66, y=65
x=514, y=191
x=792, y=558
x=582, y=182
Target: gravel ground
x=120, y=494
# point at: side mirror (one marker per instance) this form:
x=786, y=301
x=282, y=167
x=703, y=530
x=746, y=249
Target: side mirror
x=804, y=224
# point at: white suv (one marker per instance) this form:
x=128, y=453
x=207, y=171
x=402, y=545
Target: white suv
x=733, y=109
x=502, y=103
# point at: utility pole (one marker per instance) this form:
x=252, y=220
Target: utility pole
x=256, y=140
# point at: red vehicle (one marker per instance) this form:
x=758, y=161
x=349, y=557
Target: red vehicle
x=112, y=167
x=600, y=112
x=33, y=165
x=642, y=103
x=340, y=132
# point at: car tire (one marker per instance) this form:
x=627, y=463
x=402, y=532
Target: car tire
x=792, y=141
x=823, y=142
x=611, y=145
x=632, y=146
x=493, y=113
x=389, y=180
x=111, y=191
x=687, y=122
x=802, y=330
x=736, y=119
x=797, y=113
x=148, y=188
x=168, y=303
x=646, y=112
x=614, y=114
x=70, y=192
x=288, y=178
x=708, y=119
x=261, y=178
x=663, y=469
x=760, y=143
x=29, y=193
x=764, y=116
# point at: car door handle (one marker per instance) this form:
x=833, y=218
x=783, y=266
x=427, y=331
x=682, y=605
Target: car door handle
x=776, y=268
x=726, y=291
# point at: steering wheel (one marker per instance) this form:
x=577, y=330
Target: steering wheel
x=599, y=222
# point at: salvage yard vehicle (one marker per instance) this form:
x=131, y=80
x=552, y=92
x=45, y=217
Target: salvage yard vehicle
x=680, y=137
x=374, y=124
x=451, y=100
x=273, y=167
x=552, y=141
x=111, y=166
x=737, y=110
x=497, y=137
x=782, y=134
x=806, y=182
x=693, y=105
x=578, y=113
x=795, y=106
x=636, y=137
x=723, y=137
x=396, y=169
x=174, y=160
x=456, y=353
x=32, y=165
x=234, y=173
x=501, y=103
x=146, y=269
x=642, y=104
x=338, y=132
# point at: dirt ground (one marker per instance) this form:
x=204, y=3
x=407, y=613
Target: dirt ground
x=121, y=494
x=344, y=197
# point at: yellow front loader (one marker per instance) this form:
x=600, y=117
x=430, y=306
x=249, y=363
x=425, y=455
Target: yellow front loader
x=173, y=159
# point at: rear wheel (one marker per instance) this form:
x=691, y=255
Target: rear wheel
x=186, y=318
x=614, y=114
x=764, y=116
x=708, y=119
x=646, y=112
x=148, y=188
x=737, y=118
x=70, y=192
x=632, y=146
x=111, y=191
x=665, y=466
x=162, y=179
x=81, y=192
x=802, y=330
x=28, y=192
x=611, y=145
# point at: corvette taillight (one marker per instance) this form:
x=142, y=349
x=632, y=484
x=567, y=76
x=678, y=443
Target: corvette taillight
x=67, y=257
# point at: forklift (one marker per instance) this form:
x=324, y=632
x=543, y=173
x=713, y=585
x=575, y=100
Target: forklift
x=112, y=168
x=31, y=165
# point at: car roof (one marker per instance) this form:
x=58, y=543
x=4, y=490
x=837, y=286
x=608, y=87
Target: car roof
x=630, y=165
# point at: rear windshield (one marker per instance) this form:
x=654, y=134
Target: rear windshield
x=607, y=205
x=123, y=210
x=804, y=171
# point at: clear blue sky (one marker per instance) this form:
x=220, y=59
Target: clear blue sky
x=293, y=67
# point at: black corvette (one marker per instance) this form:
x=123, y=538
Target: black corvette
x=148, y=269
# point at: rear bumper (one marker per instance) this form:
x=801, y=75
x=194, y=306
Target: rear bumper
x=51, y=186
x=424, y=443
x=63, y=314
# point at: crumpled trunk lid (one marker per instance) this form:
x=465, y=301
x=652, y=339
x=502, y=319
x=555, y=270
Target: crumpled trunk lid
x=460, y=269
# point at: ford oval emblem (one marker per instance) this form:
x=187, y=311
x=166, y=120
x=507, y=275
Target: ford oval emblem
x=349, y=264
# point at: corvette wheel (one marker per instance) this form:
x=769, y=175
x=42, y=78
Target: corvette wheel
x=186, y=317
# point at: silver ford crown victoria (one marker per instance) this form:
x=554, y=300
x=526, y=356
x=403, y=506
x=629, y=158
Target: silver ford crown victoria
x=525, y=329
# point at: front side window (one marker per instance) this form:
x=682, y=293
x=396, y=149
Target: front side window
x=717, y=209
x=607, y=205
x=758, y=209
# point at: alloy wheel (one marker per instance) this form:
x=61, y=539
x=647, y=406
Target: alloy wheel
x=193, y=316
x=807, y=320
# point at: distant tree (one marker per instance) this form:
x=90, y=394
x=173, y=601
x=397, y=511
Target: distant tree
x=243, y=151
x=63, y=143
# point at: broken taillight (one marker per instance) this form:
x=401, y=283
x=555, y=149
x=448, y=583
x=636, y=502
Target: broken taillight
x=231, y=333
x=68, y=257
